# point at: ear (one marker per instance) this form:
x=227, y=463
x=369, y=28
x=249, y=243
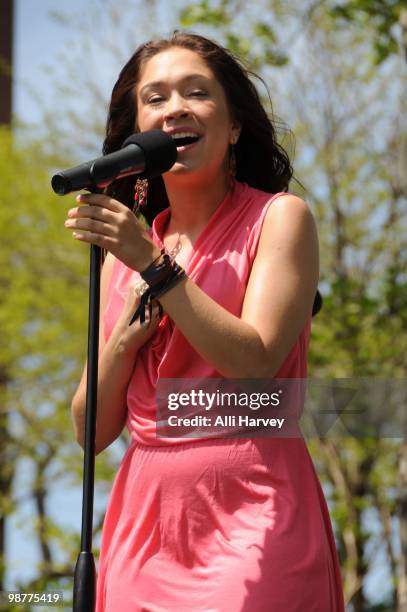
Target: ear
x=235, y=132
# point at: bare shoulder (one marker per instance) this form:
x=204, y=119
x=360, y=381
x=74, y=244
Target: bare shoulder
x=288, y=221
x=288, y=204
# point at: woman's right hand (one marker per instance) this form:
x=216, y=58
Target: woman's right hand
x=132, y=337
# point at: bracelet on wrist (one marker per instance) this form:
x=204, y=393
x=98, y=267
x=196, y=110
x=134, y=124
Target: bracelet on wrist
x=160, y=276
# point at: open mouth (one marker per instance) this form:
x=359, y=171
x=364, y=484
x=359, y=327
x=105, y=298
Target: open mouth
x=184, y=141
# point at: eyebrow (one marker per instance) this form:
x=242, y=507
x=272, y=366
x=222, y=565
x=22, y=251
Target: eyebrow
x=153, y=84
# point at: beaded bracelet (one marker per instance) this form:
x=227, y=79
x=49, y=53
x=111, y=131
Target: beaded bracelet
x=160, y=277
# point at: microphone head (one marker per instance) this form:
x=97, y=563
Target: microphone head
x=159, y=148
x=73, y=179
x=60, y=184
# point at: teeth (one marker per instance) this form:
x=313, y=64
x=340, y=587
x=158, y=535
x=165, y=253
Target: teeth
x=185, y=135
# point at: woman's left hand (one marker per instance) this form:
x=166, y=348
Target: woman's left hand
x=109, y=224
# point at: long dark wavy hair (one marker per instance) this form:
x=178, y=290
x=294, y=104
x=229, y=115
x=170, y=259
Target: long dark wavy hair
x=261, y=161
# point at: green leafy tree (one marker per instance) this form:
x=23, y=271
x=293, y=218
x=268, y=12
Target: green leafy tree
x=387, y=17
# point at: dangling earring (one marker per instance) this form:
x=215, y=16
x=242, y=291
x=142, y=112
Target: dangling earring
x=140, y=195
x=232, y=162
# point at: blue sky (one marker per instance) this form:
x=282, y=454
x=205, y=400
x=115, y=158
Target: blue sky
x=37, y=42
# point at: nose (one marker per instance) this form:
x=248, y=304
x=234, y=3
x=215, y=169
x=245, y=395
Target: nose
x=176, y=107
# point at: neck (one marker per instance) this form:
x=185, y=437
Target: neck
x=192, y=203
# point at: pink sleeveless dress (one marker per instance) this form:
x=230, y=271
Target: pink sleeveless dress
x=213, y=525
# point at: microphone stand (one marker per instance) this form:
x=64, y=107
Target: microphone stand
x=151, y=153
x=84, y=589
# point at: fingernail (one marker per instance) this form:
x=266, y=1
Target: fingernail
x=79, y=198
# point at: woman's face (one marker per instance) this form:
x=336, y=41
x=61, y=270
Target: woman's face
x=178, y=93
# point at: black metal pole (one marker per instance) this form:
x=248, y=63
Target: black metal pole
x=84, y=590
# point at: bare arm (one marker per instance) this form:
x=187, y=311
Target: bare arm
x=116, y=364
x=278, y=299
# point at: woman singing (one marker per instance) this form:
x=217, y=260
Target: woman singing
x=230, y=264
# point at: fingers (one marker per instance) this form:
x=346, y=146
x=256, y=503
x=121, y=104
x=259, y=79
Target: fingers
x=155, y=316
x=95, y=206
x=108, y=224
x=101, y=200
x=85, y=211
x=134, y=296
x=85, y=223
x=138, y=334
x=101, y=240
x=91, y=225
x=89, y=211
x=133, y=301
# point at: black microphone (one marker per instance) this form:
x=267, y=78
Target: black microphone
x=148, y=153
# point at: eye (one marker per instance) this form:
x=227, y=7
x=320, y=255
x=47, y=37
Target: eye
x=155, y=100
x=198, y=93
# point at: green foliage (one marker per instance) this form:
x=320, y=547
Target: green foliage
x=382, y=15
x=202, y=13
x=265, y=31
x=223, y=19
